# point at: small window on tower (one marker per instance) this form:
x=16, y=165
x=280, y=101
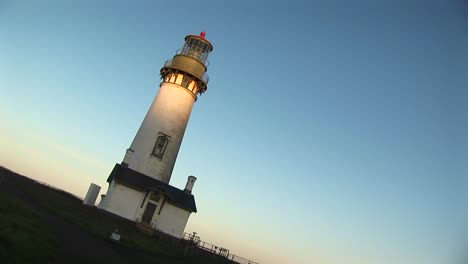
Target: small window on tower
x=160, y=146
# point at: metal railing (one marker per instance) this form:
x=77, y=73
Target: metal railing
x=195, y=240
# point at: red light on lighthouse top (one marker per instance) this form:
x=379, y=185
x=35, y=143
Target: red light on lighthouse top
x=202, y=34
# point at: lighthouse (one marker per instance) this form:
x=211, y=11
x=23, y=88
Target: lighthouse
x=139, y=188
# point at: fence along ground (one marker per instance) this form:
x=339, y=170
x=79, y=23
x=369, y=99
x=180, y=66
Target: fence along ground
x=215, y=249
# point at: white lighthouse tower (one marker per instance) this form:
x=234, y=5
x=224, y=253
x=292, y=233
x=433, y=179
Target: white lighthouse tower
x=154, y=150
x=139, y=187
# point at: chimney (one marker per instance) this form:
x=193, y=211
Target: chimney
x=190, y=182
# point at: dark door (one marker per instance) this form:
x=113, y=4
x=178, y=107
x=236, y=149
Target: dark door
x=148, y=214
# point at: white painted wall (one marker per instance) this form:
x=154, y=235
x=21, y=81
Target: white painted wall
x=126, y=202
x=169, y=114
x=122, y=201
x=172, y=220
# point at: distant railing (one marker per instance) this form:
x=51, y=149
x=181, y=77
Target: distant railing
x=195, y=240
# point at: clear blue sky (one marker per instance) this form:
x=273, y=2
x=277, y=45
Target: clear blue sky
x=331, y=131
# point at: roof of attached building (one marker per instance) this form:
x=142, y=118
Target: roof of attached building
x=137, y=180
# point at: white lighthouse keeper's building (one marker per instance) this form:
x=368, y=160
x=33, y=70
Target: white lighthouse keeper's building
x=139, y=187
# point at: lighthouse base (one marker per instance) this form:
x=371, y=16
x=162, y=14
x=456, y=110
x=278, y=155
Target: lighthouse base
x=137, y=197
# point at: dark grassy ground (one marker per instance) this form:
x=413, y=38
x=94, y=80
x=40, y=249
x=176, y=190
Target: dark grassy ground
x=96, y=222
x=24, y=236
x=40, y=224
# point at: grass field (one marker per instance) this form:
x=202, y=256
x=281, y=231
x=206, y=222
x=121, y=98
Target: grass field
x=26, y=210
x=24, y=237
x=94, y=221
x=97, y=222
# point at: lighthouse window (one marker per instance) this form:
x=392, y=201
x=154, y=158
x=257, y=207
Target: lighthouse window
x=155, y=197
x=167, y=77
x=179, y=79
x=186, y=81
x=160, y=146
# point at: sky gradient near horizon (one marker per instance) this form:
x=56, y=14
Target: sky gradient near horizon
x=332, y=132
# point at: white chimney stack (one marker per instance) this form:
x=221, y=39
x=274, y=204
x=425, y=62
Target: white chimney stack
x=190, y=182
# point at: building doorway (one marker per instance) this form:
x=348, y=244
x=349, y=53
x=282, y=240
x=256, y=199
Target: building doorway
x=149, y=212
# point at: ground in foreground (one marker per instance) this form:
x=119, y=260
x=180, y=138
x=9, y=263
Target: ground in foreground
x=40, y=224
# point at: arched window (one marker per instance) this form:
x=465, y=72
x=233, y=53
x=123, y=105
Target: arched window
x=160, y=146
